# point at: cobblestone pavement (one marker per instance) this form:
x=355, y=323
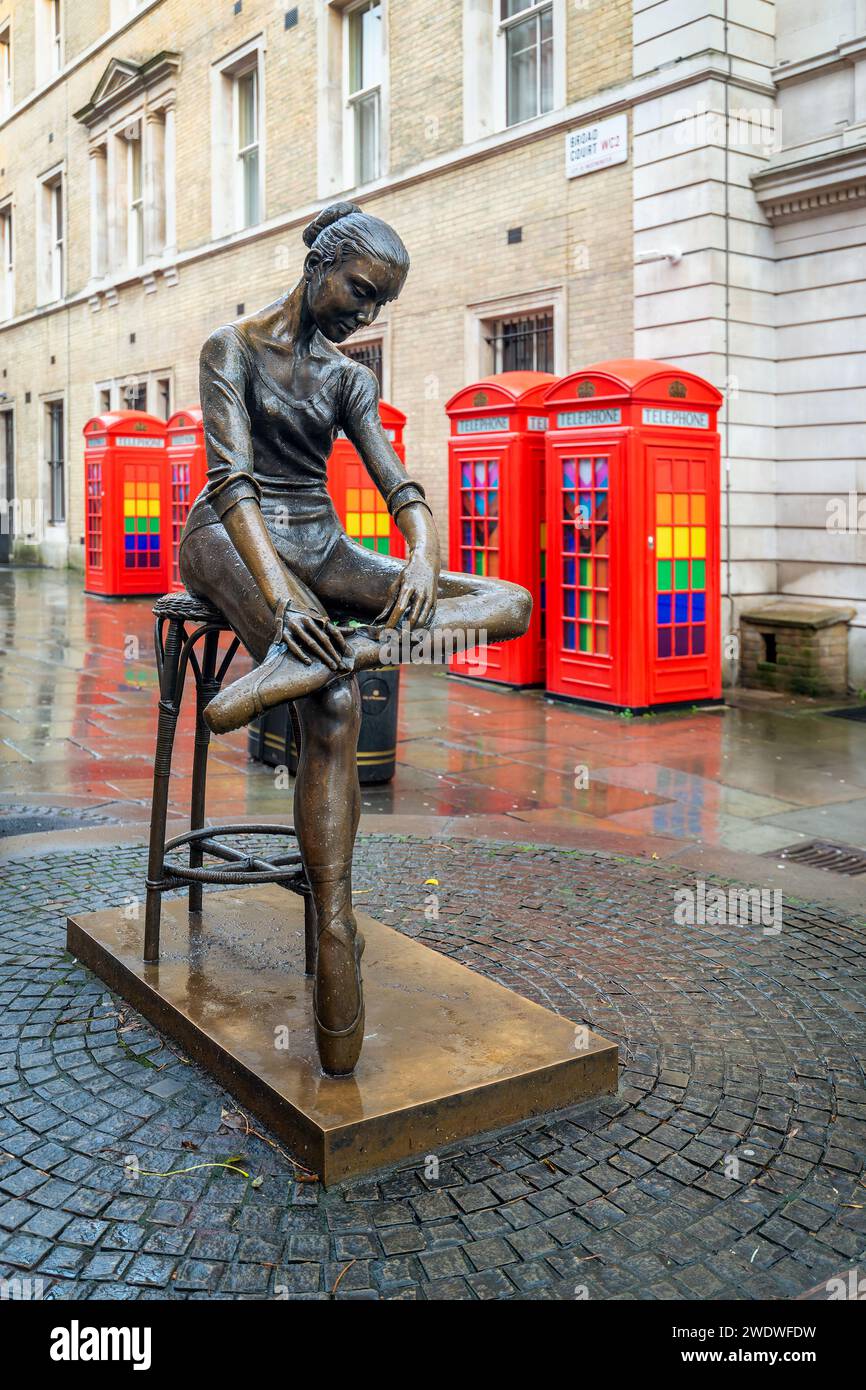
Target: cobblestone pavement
x=728, y=1166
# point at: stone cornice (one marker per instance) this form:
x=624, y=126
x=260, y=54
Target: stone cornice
x=803, y=187
x=844, y=54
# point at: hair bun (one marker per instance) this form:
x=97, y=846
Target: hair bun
x=326, y=217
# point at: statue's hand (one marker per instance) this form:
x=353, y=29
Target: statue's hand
x=413, y=596
x=311, y=637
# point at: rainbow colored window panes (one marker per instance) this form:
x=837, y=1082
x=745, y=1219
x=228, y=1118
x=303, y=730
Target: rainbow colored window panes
x=93, y=485
x=479, y=516
x=180, y=504
x=681, y=572
x=368, y=520
x=586, y=555
x=141, y=518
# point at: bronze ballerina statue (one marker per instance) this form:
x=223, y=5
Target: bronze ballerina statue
x=264, y=543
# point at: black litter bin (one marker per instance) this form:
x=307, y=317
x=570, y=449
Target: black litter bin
x=272, y=739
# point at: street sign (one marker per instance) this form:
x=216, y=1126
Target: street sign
x=597, y=146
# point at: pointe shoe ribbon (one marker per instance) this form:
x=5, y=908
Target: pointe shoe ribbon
x=339, y=1048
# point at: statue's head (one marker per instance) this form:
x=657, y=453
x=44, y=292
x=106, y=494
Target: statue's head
x=356, y=263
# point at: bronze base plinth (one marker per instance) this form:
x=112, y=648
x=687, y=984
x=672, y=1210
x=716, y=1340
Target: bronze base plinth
x=446, y=1054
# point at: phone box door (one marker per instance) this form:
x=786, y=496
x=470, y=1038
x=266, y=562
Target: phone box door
x=586, y=568
x=187, y=471
x=97, y=557
x=478, y=473
x=683, y=573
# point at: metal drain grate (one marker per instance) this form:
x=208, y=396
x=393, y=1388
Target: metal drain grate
x=38, y=820
x=820, y=854
x=31, y=825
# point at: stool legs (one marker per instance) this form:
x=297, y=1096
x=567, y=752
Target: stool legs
x=207, y=686
x=169, y=706
x=176, y=652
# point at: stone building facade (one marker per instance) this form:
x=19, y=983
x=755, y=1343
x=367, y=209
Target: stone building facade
x=158, y=160
x=752, y=172
x=160, y=97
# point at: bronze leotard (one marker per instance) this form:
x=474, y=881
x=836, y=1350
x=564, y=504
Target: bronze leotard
x=263, y=442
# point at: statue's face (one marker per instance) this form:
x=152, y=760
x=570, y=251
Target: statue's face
x=345, y=297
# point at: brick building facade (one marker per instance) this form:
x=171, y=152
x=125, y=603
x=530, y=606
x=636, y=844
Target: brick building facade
x=158, y=160
x=170, y=222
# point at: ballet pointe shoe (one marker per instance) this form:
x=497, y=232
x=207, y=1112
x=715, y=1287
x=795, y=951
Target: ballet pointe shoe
x=280, y=678
x=338, y=985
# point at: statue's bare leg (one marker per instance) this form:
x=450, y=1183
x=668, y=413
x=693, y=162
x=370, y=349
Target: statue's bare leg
x=327, y=794
x=327, y=810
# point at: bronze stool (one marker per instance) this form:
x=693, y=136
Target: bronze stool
x=175, y=652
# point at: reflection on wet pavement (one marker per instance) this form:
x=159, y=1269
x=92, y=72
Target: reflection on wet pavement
x=78, y=717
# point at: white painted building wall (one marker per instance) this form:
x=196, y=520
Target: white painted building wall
x=752, y=167
x=813, y=192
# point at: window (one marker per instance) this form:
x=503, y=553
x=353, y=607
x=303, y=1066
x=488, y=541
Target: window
x=247, y=152
x=49, y=39
x=238, y=141
x=6, y=95
x=521, y=332
x=130, y=172
x=150, y=391
x=134, y=196
x=134, y=395
x=56, y=36
x=7, y=263
x=56, y=242
x=527, y=28
x=364, y=87
x=130, y=122
x=352, y=94
x=51, y=238
x=129, y=194
x=521, y=344
x=584, y=491
x=56, y=462
x=162, y=404
x=370, y=353
x=514, y=66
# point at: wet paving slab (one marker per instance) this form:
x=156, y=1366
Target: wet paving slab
x=78, y=697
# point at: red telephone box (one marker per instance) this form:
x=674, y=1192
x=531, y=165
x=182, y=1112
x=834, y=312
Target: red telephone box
x=187, y=470
x=634, y=609
x=126, y=504
x=497, y=508
x=359, y=505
